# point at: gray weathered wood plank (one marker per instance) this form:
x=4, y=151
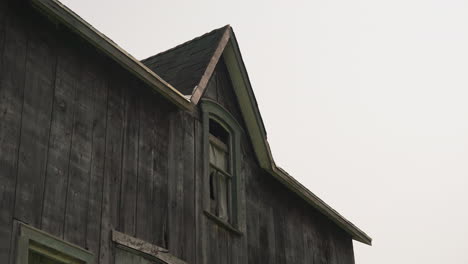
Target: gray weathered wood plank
x=188, y=208
x=56, y=181
x=12, y=70
x=35, y=124
x=127, y=212
x=96, y=175
x=80, y=158
x=175, y=184
x=113, y=164
x=161, y=174
x=200, y=226
x=146, y=157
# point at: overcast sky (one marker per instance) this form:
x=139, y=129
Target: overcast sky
x=365, y=103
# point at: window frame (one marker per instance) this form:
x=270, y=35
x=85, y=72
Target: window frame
x=32, y=239
x=211, y=110
x=221, y=174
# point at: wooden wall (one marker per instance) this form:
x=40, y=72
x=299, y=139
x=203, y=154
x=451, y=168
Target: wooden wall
x=83, y=145
x=86, y=148
x=281, y=227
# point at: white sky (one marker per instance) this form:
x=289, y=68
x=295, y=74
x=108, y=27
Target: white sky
x=364, y=103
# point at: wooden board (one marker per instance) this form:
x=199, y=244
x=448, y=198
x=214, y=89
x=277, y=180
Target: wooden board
x=152, y=199
x=11, y=102
x=147, y=139
x=200, y=224
x=113, y=165
x=160, y=197
x=35, y=124
x=92, y=150
x=127, y=210
x=181, y=188
x=80, y=158
x=96, y=175
x=56, y=181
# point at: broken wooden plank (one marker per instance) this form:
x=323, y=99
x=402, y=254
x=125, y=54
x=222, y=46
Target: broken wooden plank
x=145, y=247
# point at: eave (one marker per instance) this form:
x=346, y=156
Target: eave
x=228, y=48
x=61, y=13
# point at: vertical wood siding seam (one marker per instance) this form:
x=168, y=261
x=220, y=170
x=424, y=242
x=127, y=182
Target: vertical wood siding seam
x=48, y=140
x=139, y=148
x=69, y=159
x=138, y=109
x=2, y=61
x=91, y=162
x=3, y=24
x=90, y=171
x=98, y=256
x=170, y=172
x=129, y=177
x=123, y=133
x=194, y=175
x=195, y=187
x=152, y=179
x=12, y=239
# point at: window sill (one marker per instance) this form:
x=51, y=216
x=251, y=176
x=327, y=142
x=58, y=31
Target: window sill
x=223, y=223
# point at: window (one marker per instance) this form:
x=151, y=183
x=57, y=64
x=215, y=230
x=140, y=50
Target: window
x=222, y=173
x=37, y=247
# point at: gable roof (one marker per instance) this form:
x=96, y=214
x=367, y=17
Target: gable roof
x=183, y=65
x=212, y=46
x=209, y=54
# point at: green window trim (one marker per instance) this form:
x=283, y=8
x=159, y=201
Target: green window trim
x=211, y=110
x=34, y=240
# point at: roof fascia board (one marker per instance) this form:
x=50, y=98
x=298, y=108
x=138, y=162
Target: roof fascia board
x=200, y=88
x=251, y=114
x=238, y=74
x=58, y=11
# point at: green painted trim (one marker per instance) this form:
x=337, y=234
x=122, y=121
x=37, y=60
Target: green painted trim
x=248, y=107
x=242, y=89
x=221, y=115
x=53, y=247
x=257, y=134
x=212, y=110
x=56, y=10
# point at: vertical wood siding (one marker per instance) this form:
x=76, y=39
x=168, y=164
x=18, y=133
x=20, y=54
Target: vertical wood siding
x=14, y=45
x=281, y=228
x=85, y=148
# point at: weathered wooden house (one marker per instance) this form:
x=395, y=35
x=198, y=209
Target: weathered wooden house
x=106, y=159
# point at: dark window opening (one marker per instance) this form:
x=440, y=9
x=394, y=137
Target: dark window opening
x=212, y=188
x=219, y=132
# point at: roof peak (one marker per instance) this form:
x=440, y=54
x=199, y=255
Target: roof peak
x=223, y=28
x=184, y=65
